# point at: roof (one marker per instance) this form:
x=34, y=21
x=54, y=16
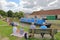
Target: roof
x=47, y=12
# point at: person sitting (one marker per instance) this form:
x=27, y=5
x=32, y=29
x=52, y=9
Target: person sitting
x=12, y=23
x=26, y=36
x=32, y=26
x=15, y=29
x=21, y=31
x=43, y=27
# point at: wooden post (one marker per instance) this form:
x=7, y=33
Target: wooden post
x=52, y=34
x=32, y=32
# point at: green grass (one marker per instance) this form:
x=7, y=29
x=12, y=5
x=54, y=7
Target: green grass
x=54, y=21
x=57, y=36
x=2, y=22
x=5, y=31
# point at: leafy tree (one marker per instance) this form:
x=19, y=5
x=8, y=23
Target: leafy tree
x=15, y=14
x=3, y=13
x=21, y=14
x=10, y=13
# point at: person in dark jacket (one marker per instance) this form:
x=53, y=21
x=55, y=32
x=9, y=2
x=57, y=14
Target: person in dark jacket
x=26, y=36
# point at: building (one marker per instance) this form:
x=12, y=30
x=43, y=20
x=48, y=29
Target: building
x=45, y=13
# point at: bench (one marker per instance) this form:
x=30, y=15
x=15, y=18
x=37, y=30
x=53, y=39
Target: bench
x=46, y=31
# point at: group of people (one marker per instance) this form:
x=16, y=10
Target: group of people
x=16, y=31
x=41, y=27
x=20, y=32
x=34, y=27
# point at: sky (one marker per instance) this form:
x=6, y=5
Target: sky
x=28, y=6
x=16, y=1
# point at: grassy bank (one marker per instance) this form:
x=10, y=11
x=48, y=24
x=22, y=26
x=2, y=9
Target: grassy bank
x=5, y=31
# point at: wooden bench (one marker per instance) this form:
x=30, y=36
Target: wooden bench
x=46, y=31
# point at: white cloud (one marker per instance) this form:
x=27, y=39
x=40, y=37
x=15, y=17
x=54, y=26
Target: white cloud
x=2, y=0
x=12, y=4
x=47, y=0
x=2, y=4
x=29, y=5
x=52, y=3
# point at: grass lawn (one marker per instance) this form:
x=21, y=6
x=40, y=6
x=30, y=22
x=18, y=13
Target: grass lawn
x=5, y=31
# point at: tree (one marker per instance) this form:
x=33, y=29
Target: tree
x=15, y=14
x=3, y=13
x=10, y=13
x=20, y=14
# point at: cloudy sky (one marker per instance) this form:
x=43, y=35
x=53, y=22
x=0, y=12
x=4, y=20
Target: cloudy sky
x=29, y=6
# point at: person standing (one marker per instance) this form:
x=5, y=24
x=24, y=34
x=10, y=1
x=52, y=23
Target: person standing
x=8, y=20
